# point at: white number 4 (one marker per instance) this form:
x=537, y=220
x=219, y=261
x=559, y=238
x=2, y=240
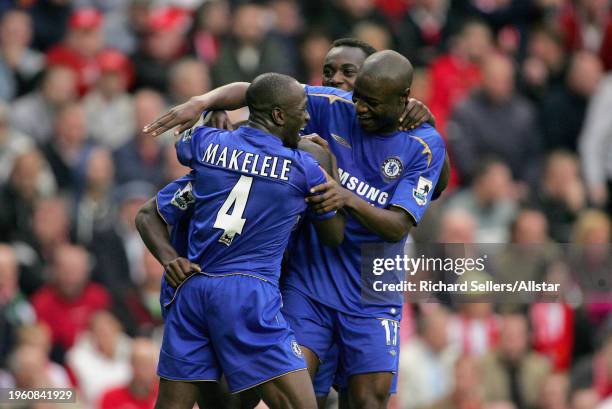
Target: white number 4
x=233, y=223
x=395, y=325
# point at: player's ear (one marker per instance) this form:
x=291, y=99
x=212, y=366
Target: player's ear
x=278, y=116
x=406, y=95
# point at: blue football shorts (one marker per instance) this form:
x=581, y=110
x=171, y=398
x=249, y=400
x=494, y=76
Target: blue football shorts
x=227, y=324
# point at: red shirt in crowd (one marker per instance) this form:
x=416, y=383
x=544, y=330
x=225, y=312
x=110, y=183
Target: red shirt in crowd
x=122, y=398
x=553, y=332
x=86, y=69
x=572, y=31
x=68, y=318
x=452, y=79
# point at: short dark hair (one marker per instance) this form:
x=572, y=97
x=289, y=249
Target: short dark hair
x=355, y=43
x=268, y=91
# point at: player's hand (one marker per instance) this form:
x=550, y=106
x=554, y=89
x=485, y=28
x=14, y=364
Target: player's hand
x=327, y=196
x=219, y=120
x=415, y=114
x=183, y=116
x=313, y=137
x=179, y=269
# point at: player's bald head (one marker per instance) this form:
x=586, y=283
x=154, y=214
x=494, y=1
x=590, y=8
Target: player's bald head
x=389, y=68
x=273, y=90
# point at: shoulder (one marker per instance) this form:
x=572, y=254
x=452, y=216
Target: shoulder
x=307, y=159
x=332, y=95
x=313, y=149
x=425, y=136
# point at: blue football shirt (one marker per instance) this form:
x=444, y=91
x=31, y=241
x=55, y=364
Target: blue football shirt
x=247, y=194
x=400, y=169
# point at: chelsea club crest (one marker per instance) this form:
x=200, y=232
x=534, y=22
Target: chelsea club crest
x=392, y=168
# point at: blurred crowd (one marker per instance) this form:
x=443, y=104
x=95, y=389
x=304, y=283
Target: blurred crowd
x=520, y=89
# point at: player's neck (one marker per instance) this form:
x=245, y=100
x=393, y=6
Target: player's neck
x=254, y=123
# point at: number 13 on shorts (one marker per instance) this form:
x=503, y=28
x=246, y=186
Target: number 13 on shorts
x=391, y=328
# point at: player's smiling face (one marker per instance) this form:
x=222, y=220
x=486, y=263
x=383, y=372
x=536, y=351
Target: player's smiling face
x=378, y=108
x=341, y=67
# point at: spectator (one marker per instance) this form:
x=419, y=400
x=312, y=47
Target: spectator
x=593, y=234
x=421, y=35
x=457, y=226
x=163, y=43
x=454, y=74
x=124, y=22
x=67, y=151
x=587, y=24
x=555, y=392
x=212, y=25
x=39, y=336
x=374, y=34
x=561, y=194
x=119, y=251
x=489, y=200
x=82, y=44
x=188, y=77
x=313, y=51
x=28, y=366
x=51, y=227
x=108, y=107
x=427, y=362
x=250, y=50
x=564, y=108
x=15, y=309
x=544, y=65
x=495, y=121
x=142, y=303
x=584, y=399
x=34, y=113
x=342, y=16
x=142, y=389
x=100, y=357
x=141, y=158
x=467, y=392
x=595, y=146
x=94, y=208
x=475, y=328
x=172, y=167
x=19, y=64
x=514, y=372
x=12, y=143
x=67, y=303
x=596, y=371
x=288, y=25
x=553, y=331
x=29, y=181
x=530, y=243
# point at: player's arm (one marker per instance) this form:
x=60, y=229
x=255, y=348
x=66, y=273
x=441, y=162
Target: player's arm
x=170, y=207
x=329, y=230
x=154, y=233
x=230, y=96
x=390, y=224
x=406, y=207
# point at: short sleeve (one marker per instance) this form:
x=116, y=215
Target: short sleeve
x=314, y=177
x=176, y=199
x=319, y=107
x=184, y=148
x=188, y=142
x=415, y=189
